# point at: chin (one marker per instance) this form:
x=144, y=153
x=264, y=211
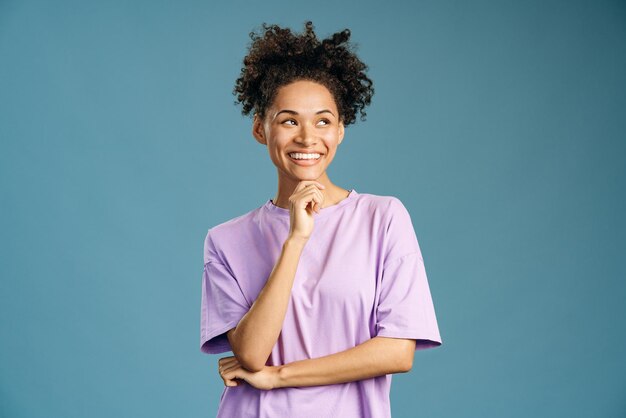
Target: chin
x=313, y=176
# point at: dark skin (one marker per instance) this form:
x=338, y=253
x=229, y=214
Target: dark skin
x=305, y=131
x=304, y=117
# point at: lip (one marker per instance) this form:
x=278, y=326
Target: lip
x=306, y=163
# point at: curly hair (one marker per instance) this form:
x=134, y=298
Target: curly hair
x=278, y=57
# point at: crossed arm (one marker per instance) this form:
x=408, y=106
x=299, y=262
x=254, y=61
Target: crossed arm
x=256, y=334
x=375, y=357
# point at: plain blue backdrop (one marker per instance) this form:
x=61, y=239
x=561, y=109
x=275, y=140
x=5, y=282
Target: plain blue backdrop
x=499, y=124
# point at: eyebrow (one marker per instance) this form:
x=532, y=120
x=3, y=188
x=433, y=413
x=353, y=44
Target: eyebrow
x=293, y=112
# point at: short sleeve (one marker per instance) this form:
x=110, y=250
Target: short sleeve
x=405, y=307
x=222, y=307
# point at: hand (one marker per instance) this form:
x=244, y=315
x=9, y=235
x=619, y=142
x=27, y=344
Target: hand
x=306, y=198
x=233, y=374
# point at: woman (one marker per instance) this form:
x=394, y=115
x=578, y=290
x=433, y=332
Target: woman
x=320, y=293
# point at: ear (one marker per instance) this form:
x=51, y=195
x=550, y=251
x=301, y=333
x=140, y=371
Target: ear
x=341, y=132
x=258, y=130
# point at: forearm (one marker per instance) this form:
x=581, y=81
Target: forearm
x=257, y=332
x=375, y=357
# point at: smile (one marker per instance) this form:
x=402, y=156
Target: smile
x=305, y=159
x=303, y=156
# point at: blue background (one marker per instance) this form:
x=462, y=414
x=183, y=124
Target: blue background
x=500, y=125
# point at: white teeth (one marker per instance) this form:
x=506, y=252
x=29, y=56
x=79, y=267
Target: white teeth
x=300, y=156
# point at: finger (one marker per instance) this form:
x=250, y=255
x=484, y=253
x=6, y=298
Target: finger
x=229, y=376
x=227, y=363
x=228, y=360
x=223, y=372
x=303, y=185
x=225, y=359
x=312, y=198
x=239, y=373
x=306, y=183
x=229, y=369
x=321, y=195
x=317, y=199
x=225, y=368
x=317, y=184
x=230, y=382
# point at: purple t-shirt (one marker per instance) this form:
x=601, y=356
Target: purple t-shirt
x=360, y=275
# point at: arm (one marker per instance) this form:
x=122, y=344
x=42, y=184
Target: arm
x=375, y=357
x=256, y=333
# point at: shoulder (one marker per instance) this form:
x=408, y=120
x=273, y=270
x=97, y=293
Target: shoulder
x=388, y=216
x=386, y=206
x=225, y=235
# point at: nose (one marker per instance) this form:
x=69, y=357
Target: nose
x=306, y=135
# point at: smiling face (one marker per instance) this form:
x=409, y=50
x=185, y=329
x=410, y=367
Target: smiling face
x=303, y=118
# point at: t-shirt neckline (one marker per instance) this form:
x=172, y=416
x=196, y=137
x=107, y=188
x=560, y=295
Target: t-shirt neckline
x=323, y=211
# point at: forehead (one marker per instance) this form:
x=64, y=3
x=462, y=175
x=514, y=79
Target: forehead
x=303, y=96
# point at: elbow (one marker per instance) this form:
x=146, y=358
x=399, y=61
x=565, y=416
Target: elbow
x=247, y=359
x=406, y=359
x=400, y=364
x=250, y=363
x=407, y=365
x=407, y=353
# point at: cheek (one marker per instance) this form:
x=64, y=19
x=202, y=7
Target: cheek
x=278, y=152
x=280, y=148
x=331, y=142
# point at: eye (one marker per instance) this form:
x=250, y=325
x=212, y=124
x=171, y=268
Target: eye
x=288, y=120
x=326, y=121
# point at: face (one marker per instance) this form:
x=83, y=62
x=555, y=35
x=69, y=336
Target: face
x=303, y=119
